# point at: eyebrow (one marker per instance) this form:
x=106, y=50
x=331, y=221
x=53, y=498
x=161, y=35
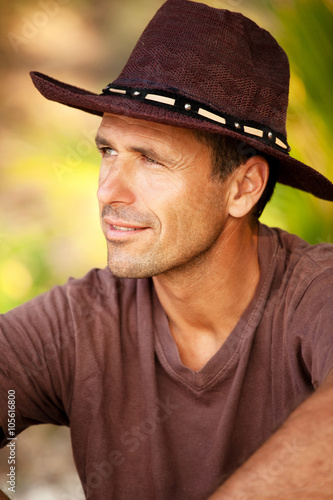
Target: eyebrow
x=147, y=151
x=100, y=141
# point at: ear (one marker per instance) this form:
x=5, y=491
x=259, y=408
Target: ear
x=247, y=185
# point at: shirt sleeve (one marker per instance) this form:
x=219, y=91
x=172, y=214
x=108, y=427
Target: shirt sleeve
x=313, y=328
x=37, y=346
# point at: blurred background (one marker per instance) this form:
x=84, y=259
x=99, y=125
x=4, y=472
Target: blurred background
x=49, y=228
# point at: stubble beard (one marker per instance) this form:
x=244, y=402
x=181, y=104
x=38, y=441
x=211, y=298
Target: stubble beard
x=145, y=266
x=175, y=266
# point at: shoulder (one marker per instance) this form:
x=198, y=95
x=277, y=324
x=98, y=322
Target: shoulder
x=98, y=290
x=297, y=256
x=301, y=273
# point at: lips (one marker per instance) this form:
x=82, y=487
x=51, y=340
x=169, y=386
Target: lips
x=120, y=225
x=116, y=229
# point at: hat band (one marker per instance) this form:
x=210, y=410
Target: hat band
x=188, y=107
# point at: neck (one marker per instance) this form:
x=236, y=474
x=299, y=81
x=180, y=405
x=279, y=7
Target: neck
x=204, y=300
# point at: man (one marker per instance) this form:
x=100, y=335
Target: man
x=199, y=363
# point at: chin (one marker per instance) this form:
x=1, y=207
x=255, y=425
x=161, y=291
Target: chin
x=128, y=274
x=129, y=270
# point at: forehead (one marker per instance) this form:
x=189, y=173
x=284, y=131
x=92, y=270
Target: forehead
x=125, y=126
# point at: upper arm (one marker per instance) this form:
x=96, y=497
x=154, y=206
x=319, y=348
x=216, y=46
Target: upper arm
x=312, y=329
x=35, y=366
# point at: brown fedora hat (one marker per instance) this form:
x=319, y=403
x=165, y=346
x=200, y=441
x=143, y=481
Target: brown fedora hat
x=209, y=69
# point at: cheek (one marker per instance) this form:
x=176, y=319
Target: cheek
x=206, y=206
x=179, y=210
x=162, y=195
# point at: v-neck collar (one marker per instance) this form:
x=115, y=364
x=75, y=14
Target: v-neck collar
x=226, y=358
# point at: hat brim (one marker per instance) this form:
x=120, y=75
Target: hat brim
x=292, y=172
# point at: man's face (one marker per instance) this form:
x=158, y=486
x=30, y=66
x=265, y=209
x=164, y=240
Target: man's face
x=160, y=208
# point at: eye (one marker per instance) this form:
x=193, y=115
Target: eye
x=106, y=152
x=150, y=160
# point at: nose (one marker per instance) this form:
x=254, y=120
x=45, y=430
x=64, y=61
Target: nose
x=115, y=185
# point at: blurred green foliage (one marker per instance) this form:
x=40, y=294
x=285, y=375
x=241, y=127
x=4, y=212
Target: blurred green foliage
x=306, y=35
x=49, y=225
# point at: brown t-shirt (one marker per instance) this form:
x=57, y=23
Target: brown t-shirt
x=97, y=354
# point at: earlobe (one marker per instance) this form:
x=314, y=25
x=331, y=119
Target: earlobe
x=247, y=186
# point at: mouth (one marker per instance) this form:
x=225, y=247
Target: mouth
x=116, y=230
x=122, y=228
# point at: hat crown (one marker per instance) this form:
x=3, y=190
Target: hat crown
x=217, y=57
x=204, y=69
